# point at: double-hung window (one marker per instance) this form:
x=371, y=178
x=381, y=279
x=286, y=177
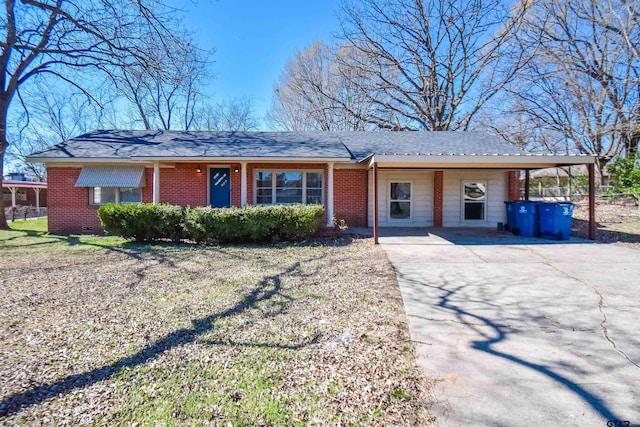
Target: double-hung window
x=474, y=200
x=400, y=200
x=287, y=187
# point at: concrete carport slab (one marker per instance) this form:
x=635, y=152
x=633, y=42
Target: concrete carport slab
x=522, y=331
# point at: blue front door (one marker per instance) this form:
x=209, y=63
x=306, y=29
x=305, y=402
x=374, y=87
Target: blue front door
x=220, y=187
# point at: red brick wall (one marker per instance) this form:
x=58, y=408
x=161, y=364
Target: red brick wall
x=147, y=189
x=514, y=186
x=31, y=197
x=182, y=185
x=69, y=208
x=350, y=196
x=438, y=190
x=236, y=185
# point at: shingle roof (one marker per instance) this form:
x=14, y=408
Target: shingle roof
x=363, y=144
x=121, y=144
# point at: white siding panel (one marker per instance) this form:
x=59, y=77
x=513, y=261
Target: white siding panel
x=422, y=197
x=497, y=188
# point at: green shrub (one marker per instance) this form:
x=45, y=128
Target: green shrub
x=252, y=223
x=625, y=175
x=143, y=222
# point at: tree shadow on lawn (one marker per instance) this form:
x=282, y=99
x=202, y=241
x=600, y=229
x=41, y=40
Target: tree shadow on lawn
x=493, y=333
x=268, y=288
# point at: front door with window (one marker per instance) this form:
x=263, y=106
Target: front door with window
x=220, y=187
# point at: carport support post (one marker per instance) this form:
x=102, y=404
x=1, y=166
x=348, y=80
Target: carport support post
x=527, y=182
x=592, y=201
x=375, y=203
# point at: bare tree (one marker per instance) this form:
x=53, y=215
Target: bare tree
x=56, y=113
x=48, y=38
x=235, y=115
x=507, y=117
x=317, y=91
x=433, y=64
x=622, y=18
x=582, y=84
x=163, y=85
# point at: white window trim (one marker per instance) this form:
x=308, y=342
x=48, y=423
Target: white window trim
x=486, y=201
x=411, y=201
x=273, y=184
x=117, y=200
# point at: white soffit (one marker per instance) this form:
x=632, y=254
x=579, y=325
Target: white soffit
x=111, y=176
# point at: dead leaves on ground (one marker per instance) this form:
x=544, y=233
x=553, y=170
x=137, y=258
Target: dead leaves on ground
x=289, y=334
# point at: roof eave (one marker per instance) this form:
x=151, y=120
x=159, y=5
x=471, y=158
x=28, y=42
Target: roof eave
x=151, y=159
x=474, y=161
x=275, y=159
x=40, y=159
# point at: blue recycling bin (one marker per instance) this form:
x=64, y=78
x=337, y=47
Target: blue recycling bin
x=522, y=218
x=555, y=220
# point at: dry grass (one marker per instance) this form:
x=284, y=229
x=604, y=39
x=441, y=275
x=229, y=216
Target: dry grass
x=98, y=332
x=617, y=221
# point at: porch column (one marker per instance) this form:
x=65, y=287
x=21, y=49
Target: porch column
x=329, y=194
x=375, y=203
x=37, y=191
x=527, y=181
x=592, y=201
x=156, y=183
x=13, y=196
x=243, y=183
x=438, y=189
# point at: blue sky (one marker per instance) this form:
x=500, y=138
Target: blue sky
x=253, y=40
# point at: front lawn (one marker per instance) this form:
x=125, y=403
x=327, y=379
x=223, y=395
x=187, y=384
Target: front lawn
x=99, y=331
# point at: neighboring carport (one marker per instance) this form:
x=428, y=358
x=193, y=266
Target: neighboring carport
x=521, y=331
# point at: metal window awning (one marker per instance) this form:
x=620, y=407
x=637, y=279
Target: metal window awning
x=111, y=176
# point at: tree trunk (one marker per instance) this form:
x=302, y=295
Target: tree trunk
x=4, y=107
x=3, y=218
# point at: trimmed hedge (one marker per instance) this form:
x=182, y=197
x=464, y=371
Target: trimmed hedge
x=143, y=222
x=253, y=223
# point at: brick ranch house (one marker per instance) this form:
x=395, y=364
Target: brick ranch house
x=368, y=179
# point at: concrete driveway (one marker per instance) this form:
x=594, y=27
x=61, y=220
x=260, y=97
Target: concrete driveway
x=524, y=332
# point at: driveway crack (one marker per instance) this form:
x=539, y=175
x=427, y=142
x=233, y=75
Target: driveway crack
x=603, y=326
x=603, y=323
x=476, y=254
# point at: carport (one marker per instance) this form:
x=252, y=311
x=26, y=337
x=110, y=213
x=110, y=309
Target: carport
x=447, y=182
